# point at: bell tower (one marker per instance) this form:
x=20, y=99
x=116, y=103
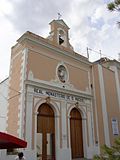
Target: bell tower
x=59, y=33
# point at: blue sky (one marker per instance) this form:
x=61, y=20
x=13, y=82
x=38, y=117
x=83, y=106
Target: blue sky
x=91, y=25
x=106, y=1
x=98, y=24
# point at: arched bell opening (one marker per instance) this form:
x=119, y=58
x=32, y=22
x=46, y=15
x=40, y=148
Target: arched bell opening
x=61, y=37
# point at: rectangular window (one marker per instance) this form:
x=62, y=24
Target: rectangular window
x=115, y=126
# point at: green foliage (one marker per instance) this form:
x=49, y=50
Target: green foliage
x=110, y=153
x=111, y=6
x=117, y=145
x=117, y=2
x=115, y=5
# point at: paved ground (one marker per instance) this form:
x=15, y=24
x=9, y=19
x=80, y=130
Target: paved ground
x=80, y=159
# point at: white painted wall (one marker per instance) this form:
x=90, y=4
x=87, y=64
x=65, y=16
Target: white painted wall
x=3, y=104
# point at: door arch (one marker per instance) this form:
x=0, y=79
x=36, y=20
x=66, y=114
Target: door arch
x=76, y=134
x=45, y=133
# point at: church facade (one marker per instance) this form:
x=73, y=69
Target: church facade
x=64, y=106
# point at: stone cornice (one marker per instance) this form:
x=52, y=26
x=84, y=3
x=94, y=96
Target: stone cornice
x=59, y=89
x=48, y=44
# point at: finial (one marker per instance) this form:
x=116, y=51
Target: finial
x=59, y=16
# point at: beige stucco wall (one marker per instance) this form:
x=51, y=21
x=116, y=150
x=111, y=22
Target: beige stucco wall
x=42, y=67
x=111, y=99
x=43, y=63
x=92, y=83
x=78, y=77
x=14, y=95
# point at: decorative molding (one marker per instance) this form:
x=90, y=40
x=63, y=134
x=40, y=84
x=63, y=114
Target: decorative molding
x=65, y=77
x=114, y=68
x=79, y=107
x=58, y=50
x=57, y=88
x=48, y=99
x=104, y=107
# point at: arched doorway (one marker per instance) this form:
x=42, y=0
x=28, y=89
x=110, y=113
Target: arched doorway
x=45, y=133
x=76, y=134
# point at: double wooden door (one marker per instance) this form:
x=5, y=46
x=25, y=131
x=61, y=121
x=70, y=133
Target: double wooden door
x=76, y=134
x=46, y=133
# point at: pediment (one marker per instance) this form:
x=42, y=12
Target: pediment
x=61, y=22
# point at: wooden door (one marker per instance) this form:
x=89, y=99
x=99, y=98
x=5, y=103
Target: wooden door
x=76, y=134
x=46, y=127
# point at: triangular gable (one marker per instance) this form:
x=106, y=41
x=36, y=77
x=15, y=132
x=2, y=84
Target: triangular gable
x=60, y=21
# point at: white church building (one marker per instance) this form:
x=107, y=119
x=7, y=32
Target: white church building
x=61, y=103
